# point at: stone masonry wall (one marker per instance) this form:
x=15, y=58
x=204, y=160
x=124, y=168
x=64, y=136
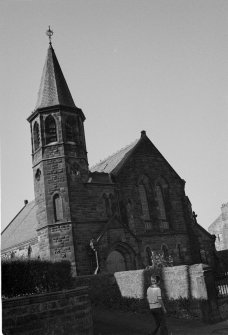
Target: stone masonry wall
x=59, y=313
x=146, y=160
x=22, y=250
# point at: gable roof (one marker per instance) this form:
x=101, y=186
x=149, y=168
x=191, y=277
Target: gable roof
x=53, y=87
x=22, y=228
x=115, y=161
x=216, y=224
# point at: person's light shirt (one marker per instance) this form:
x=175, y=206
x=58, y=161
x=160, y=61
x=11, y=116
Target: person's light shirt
x=153, y=297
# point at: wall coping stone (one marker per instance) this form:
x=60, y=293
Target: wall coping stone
x=35, y=298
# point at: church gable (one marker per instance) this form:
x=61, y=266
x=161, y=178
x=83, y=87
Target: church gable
x=151, y=191
x=144, y=157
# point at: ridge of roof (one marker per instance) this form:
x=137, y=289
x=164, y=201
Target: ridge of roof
x=53, y=87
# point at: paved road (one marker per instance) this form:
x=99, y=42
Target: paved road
x=112, y=322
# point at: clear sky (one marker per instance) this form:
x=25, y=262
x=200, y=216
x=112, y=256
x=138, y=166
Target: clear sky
x=154, y=65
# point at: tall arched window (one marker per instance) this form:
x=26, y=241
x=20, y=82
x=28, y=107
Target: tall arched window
x=36, y=136
x=58, y=207
x=165, y=251
x=107, y=205
x=144, y=202
x=179, y=251
x=161, y=189
x=161, y=203
x=70, y=127
x=149, y=256
x=50, y=130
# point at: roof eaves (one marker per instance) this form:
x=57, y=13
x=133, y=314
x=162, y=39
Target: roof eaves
x=13, y=219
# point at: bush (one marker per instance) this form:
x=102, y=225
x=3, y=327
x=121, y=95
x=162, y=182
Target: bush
x=22, y=277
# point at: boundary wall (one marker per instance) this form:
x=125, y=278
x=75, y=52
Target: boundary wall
x=65, y=312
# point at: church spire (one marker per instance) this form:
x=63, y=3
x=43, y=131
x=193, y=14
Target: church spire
x=53, y=87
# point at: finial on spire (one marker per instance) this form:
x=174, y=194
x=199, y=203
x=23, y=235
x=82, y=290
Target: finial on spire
x=49, y=33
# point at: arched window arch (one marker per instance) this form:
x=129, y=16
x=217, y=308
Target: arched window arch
x=36, y=136
x=58, y=207
x=70, y=127
x=50, y=130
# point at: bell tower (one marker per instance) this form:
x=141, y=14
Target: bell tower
x=59, y=160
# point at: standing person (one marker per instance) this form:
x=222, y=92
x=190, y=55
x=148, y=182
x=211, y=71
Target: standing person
x=157, y=307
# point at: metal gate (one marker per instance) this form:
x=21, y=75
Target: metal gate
x=221, y=282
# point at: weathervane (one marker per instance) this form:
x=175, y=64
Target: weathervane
x=49, y=33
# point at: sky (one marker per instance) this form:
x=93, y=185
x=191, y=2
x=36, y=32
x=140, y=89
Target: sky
x=154, y=65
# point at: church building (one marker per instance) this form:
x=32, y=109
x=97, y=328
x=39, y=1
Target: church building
x=112, y=217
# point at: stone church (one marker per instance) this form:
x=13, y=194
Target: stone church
x=114, y=216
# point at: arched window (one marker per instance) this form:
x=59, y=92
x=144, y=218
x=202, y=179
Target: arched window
x=165, y=251
x=149, y=256
x=29, y=251
x=179, y=251
x=161, y=190
x=36, y=136
x=107, y=205
x=50, y=130
x=58, y=207
x=70, y=127
x=161, y=203
x=144, y=202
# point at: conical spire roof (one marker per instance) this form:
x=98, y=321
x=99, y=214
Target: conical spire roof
x=53, y=87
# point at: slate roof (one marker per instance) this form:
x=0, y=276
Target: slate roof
x=22, y=228
x=113, y=163
x=53, y=87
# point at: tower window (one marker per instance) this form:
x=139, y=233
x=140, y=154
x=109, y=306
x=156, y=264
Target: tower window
x=58, y=207
x=38, y=174
x=70, y=129
x=36, y=136
x=50, y=130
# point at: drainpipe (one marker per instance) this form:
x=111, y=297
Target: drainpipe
x=93, y=247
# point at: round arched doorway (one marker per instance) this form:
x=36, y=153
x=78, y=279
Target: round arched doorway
x=115, y=262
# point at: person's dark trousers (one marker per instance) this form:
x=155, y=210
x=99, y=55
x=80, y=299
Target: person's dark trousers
x=159, y=317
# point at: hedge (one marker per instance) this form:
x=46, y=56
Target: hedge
x=22, y=277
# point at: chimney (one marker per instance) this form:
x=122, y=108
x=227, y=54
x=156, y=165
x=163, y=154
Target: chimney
x=26, y=202
x=224, y=210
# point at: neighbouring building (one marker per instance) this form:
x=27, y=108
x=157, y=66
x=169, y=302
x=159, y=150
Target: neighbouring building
x=220, y=229
x=110, y=217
